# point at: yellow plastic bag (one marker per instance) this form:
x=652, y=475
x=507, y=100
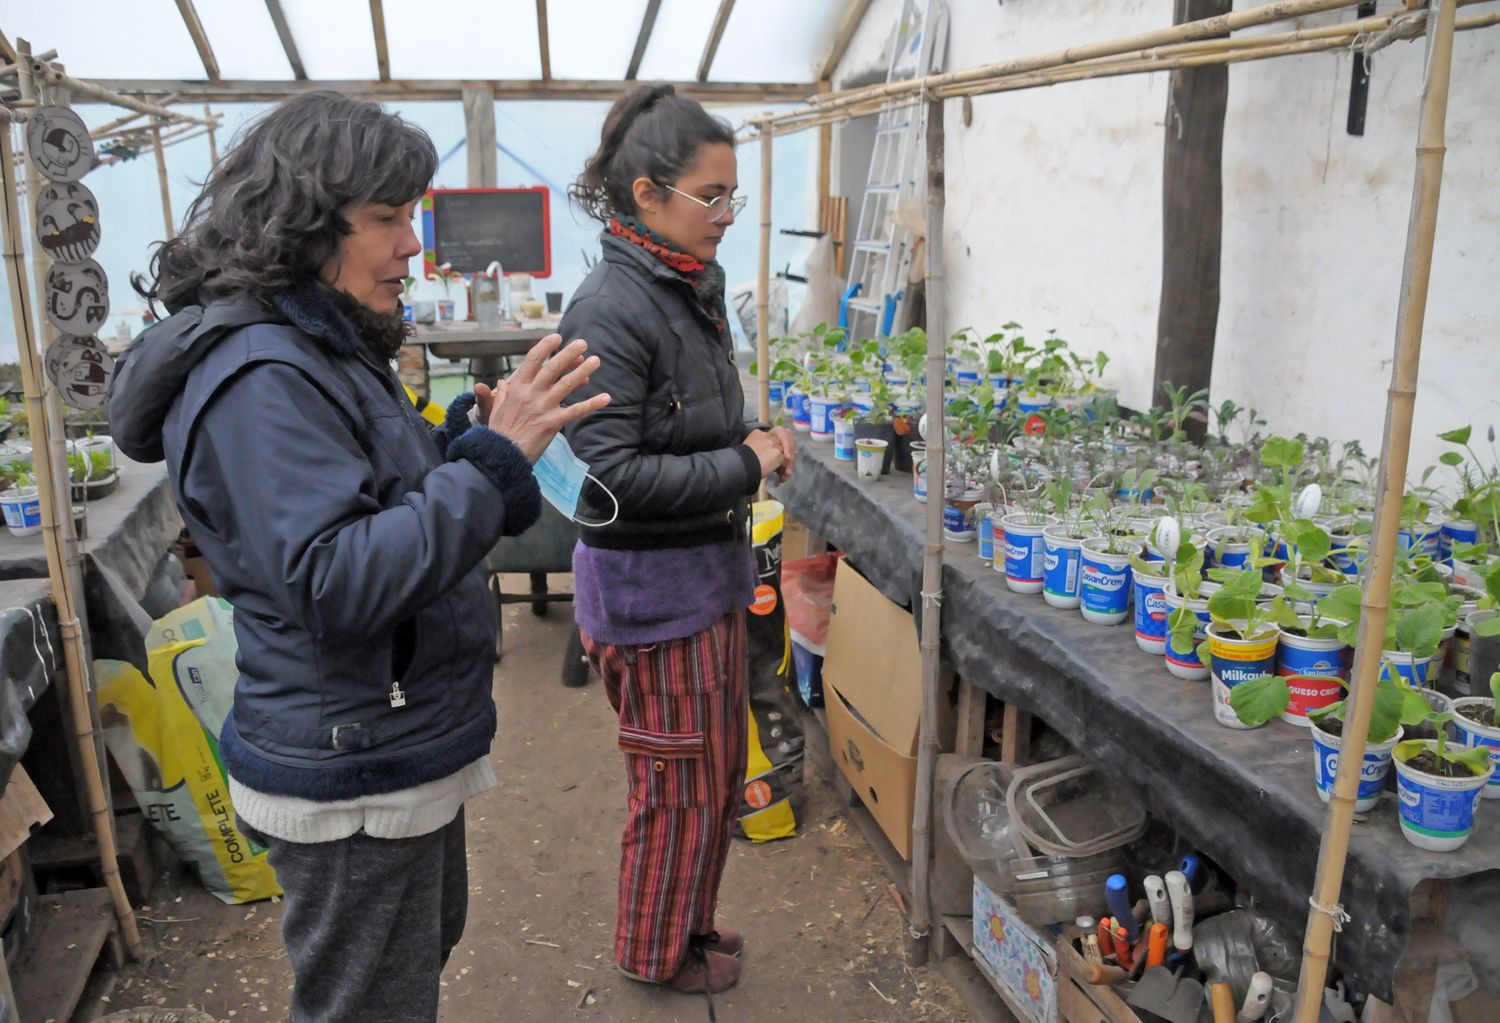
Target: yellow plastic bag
x=172, y=765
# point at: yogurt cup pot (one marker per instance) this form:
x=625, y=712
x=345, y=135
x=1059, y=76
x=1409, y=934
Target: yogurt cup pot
x=869, y=457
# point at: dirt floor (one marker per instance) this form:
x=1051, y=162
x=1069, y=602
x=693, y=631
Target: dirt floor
x=823, y=934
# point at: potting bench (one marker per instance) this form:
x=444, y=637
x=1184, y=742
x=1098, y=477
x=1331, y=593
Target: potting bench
x=1244, y=798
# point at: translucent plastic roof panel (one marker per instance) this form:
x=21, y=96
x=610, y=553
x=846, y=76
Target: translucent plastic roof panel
x=495, y=39
x=334, y=37
x=774, y=41
x=107, y=38
x=590, y=40
x=244, y=40
x=677, y=41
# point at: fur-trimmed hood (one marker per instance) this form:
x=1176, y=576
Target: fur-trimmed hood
x=151, y=373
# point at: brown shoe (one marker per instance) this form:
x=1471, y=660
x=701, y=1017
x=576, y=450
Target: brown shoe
x=723, y=940
x=712, y=973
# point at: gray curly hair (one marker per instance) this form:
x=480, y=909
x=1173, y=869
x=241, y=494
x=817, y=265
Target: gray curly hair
x=268, y=217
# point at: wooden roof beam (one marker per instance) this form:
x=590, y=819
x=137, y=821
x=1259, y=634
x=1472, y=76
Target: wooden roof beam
x=714, y=36
x=252, y=91
x=849, y=22
x=288, y=44
x=200, y=38
x=648, y=22
x=382, y=49
x=541, y=39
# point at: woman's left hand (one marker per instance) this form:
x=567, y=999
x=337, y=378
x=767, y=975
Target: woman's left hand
x=787, y=441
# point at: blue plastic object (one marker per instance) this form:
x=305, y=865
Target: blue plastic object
x=1117, y=896
x=854, y=289
x=1192, y=868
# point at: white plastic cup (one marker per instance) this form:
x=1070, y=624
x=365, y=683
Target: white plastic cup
x=869, y=456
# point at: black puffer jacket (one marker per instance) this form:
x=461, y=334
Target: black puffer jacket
x=670, y=446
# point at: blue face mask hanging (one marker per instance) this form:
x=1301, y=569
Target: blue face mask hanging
x=560, y=474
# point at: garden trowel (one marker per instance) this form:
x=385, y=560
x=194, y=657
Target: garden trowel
x=1167, y=995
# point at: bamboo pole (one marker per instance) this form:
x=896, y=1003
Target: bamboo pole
x=763, y=284
x=56, y=446
x=932, y=558
x=1395, y=448
x=213, y=140
x=55, y=76
x=1240, y=51
x=54, y=538
x=161, y=178
x=1219, y=25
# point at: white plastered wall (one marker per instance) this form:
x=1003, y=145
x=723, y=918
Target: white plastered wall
x=1053, y=217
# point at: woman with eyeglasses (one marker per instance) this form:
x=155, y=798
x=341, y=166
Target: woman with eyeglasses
x=661, y=592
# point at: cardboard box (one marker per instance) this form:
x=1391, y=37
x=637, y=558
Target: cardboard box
x=872, y=690
x=1014, y=956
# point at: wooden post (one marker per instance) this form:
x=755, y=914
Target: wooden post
x=56, y=520
x=932, y=559
x=825, y=164
x=1192, y=219
x=763, y=283
x=1395, y=448
x=479, y=137
x=161, y=178
x=213, y=140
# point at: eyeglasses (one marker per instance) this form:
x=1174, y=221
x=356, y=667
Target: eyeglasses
x=720, y=207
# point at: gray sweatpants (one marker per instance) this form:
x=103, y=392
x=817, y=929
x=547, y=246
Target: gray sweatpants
x=369, y=922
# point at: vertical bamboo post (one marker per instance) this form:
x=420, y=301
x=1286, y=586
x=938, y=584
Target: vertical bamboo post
x=932, y=558
x=161, y=177
x=763, y=281
x=213, y=140
x=825, y=164
x=30, y=88
x=55, y=541
x=1395, y=448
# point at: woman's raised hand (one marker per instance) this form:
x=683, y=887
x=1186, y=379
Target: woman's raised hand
x=527, y=407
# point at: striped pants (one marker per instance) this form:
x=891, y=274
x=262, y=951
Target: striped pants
x=682, y=706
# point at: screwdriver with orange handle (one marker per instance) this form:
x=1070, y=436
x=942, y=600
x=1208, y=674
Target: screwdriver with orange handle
x=1156, y=945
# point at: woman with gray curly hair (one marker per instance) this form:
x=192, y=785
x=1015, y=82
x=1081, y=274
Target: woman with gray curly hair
x=348, y=539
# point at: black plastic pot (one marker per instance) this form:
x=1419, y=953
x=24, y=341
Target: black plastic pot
x=1484, y=657
x=94, y=490
x=901, y=461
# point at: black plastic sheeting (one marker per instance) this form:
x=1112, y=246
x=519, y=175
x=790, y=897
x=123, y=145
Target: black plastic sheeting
x=1245, y=798
x=30, y=655
x=128, y=532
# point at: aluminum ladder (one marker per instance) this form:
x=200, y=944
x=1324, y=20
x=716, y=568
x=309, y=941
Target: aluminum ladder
x=880, y=257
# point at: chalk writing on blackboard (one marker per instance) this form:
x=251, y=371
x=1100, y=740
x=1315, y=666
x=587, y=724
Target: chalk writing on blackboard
x=472, y=228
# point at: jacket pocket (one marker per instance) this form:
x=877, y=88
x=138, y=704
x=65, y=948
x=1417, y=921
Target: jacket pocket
x=665, y=769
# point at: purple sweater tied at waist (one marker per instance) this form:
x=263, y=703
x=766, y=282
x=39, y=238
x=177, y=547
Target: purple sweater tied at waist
x=631, y=597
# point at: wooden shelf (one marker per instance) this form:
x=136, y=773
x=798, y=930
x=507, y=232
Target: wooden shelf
x=71, y=932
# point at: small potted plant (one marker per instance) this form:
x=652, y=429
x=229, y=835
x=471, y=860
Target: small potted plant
x=1241, y=637
x=1439, y=787
x=20, y=503
x=1476, y=724
x=1062, y=544
x=1149, y=579
x=1024, y=553
x=92, y=474
x=1187, y=596
x=445, y=274
x=1312, y=651
x=1104, y=572
x=1258, y=700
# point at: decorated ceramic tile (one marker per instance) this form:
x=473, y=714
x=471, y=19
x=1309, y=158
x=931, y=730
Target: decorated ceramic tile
x=67, y=222
x=80, y=369
x=58, y=144
x=77, y=297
